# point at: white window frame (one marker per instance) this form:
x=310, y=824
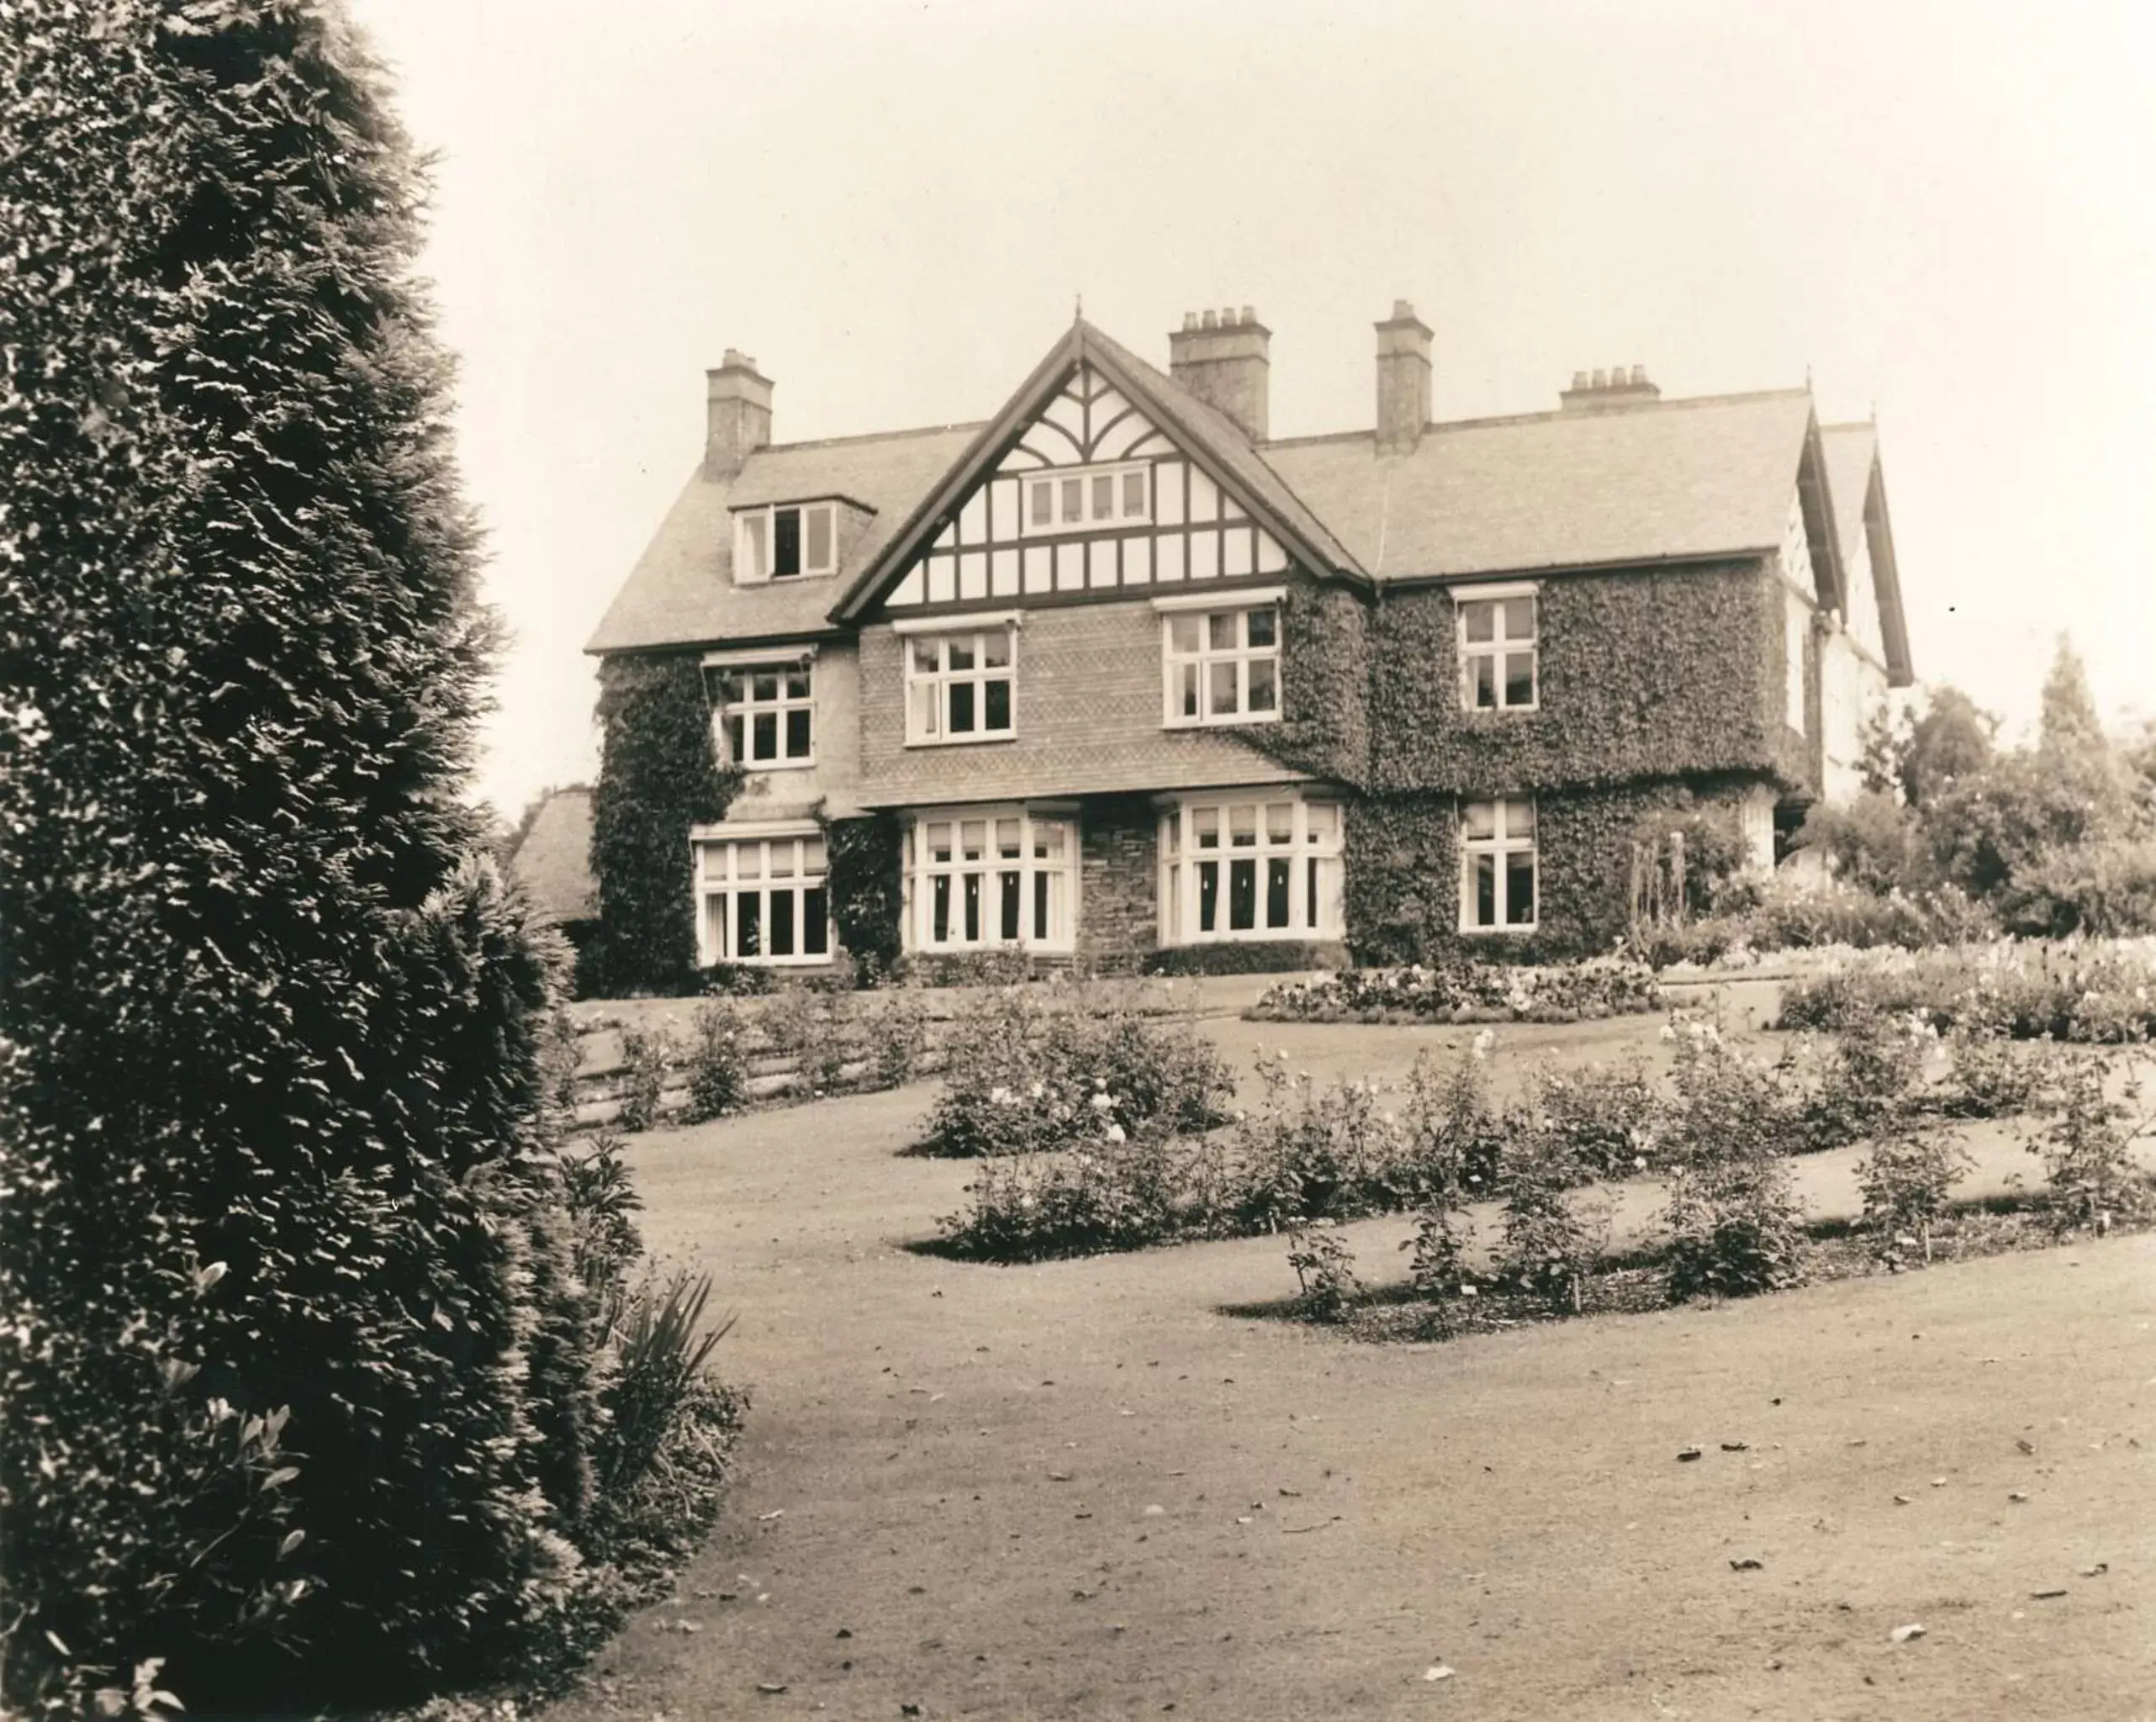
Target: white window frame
x=1088, y=516
x=929, y=691
x=1047, y=883
x=791, y=860
x=1501, y=644
x=755, y=541
x=1203, y=610
x=1311, y=841
x=745, y=711
x=1506, y=839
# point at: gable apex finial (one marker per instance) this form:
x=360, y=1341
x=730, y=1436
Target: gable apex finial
x=1078, y=308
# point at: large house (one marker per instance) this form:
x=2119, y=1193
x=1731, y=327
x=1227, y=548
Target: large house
x=1122, y=677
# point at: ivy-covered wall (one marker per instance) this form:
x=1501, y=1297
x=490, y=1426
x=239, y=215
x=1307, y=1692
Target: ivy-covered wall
x=1644, y=673
x=659, y=775
x=1404, y=869
x=1325, y=714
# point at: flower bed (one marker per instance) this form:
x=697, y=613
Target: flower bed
x=1466, y=992
x=2098, y=991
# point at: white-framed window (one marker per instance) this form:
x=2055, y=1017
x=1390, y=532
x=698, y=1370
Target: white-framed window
x=763, y=899
x=1497, y=866
x=978, y=877
x=1500, y=659
x=767, y=714
x=1073, y=499
x=1796, y=629
x=1250, y=864
x=785, y=541
x=961, y=685
x=1220, y=665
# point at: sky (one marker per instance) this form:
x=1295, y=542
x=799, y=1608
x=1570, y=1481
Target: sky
x=1943, y=214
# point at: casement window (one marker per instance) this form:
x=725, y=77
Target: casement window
x=1498, y=655
x=1220, y=665
x=1072, y=499
x=1497, y=866
x=976, y=878
x=785, y=542
x=1250, y=865
x=767, y=715
x=960, y=685
x=763, y=900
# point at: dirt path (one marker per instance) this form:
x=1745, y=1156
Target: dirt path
x=1079, y=1490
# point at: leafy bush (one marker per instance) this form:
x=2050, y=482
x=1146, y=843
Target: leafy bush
x=1324, y=1271
x=659, y=1347
x=1604, y=1115
x=1988, y=1077
x=1108, y=1194
x=1907, y=1182
x=603, y=1205
x=1552, y=1237
x=1465, y=992
x=815, y=1030
x=1308, y=1154
x=718, y=1062
x=2104, y=889
x=1873, y=1073
x=643, y=1077
x=736, y=981
x=1794, y=913
x=899, y=1039
x=1030, y=1070
x=2091, y=1176
x=1871, y=845
x=1734, y=1220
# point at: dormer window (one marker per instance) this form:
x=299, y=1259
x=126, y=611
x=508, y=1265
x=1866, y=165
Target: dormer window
x=785, y=541
x=1075, y=499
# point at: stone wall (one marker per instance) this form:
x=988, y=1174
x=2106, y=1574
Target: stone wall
x=1118, y=919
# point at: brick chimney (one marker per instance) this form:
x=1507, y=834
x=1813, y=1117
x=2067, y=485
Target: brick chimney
x=738, y=415
x=1221, y=358
x=1402, y=380
x=1597, y=391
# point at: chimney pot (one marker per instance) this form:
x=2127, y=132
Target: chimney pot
x=1402, y=380
x=1579, y=379
x=1402, y=309
x=1639, y=375
x=1223, y=358
x=1601, y=379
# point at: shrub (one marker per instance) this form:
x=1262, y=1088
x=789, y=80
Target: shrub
x=1028, y=1070
x=1552, y=1237
x=1324, y=1271
x=659, y=1350
x=1604, y=1115
x=2068, y=990
x=1438, y=1268
x=1734, y=1220
x=1907, y=1182
x=1464, y=992
x=736, y=981
x=1108, y=1194
x=1308, y=1154
x=1872, y=1075
x=2092, y=1177
x=1872, y=844
x=603, y=1205
x=1988, y=1077
x=718, y=1062
x=643, y=1077
x=899, y=1039
x=2104, y=889
x=816, y=1031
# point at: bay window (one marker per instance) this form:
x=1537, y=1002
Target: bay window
x=1250, y=864
x=960, y=684
x=1497, y=866
x=982, y=877
x=1220, y=665
x=765, y=899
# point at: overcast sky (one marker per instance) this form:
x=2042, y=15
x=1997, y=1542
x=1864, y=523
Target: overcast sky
x=1944, y=213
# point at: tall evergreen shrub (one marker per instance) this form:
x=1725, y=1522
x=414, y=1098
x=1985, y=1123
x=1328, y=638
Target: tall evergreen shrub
x=295, y=1371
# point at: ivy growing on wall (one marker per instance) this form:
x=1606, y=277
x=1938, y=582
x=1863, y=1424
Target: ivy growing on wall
x=866, y=879
x=659, y=775
x=1324, y=726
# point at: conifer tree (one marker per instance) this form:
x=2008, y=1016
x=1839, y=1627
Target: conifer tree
x=273, y=1219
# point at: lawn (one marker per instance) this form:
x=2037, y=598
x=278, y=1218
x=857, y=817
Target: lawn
x=1082, y=1489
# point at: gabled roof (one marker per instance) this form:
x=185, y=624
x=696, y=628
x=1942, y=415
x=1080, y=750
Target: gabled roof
x=1660, y=481
x=1207, y=435
x=682, y=591
x=552, y=861
x=1859, y=486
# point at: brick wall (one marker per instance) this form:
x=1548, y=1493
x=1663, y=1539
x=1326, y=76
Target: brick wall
x=1118, y=919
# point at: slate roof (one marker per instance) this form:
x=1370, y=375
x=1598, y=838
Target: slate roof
x=681, y=591
x=553, y=860
x=1850, y=450
x=1660, y=481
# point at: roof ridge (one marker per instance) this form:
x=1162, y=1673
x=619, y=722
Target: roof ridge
x=1555, y=416
x=869, y=436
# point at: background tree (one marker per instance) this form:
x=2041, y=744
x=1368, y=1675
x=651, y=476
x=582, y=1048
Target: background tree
x=291, y=1368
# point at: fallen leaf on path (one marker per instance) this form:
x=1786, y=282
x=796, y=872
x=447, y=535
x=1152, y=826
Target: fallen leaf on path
x=2045, y=1596
x=1902, y=1635
x=1746, y=1564
x=770, y=1688
x=1059, y=1476
x=2016, y=1495
x=1437, y=1671
x=1901, y=1500
x=1734, y=1447
x=1686, y=1455
x=2026, y=1446
x=2096, y=1571
x=766, y=1517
